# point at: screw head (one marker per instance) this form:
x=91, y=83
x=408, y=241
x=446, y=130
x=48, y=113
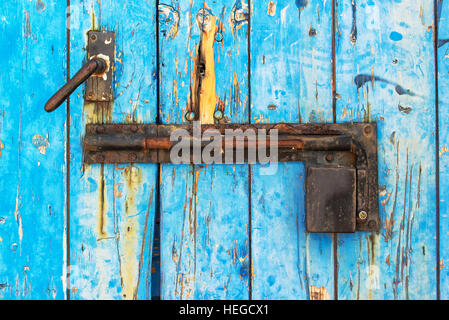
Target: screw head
x=329, y=158
x=218, y=115
x=368, y=130
x=93, y=37
x=190, y=116
x=132, y=157
x=134, y=128
x=363, y=215
x=100, y=158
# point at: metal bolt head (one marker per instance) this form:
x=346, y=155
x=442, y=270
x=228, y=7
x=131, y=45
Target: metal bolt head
x=368, y=130
x=363, y=215
x=372, y=224
x=134, y=128
x=93, y=37
x=190, y=116
x=101, y=129
x=218, y=115
x=329, y=158
x=132, y=157
x=100, y=158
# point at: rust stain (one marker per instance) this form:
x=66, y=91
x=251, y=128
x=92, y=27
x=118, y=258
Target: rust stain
x=117, y=191
x=316, y=293
x=102, y=206
x=271, y=8
x=2, y=146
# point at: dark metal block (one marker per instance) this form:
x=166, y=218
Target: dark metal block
x=331, y=200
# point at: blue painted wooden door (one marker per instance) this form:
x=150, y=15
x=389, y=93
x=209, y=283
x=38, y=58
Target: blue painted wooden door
x=75, y=231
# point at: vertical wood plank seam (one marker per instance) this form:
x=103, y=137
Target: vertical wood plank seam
x=157, y=215
x=250, y=256
x=437, y=147
x=68, y=156
x=334, y=115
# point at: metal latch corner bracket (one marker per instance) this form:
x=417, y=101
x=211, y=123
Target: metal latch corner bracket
x=341, y=164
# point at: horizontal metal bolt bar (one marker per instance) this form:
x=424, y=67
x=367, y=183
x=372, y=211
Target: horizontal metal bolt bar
x=115, y=141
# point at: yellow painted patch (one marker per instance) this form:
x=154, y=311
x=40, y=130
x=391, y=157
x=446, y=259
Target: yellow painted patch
x=203, y=94
x=130, y=238
x=318, y=293
x=271, y=8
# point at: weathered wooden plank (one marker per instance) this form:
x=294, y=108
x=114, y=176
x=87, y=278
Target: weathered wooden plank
x=291, y=72
x=385, y=73
x=113, y=207
x=32, y=161
x=204, y=209
x=443, y=105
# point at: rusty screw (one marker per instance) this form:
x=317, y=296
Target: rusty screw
x=329, y=158
x=94, y=37
x=368, y=130
x=132, y=157
x=101, y=129
x=218, y=115
x=134, y=128
x=363, y=215
x=100, y=158
x=190, y=116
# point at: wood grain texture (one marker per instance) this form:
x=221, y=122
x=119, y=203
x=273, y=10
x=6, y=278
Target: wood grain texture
x=204, y=209
x=32, y=162
x=385, y=73
x=112, y=212
x=443, y=105
x=291, y=72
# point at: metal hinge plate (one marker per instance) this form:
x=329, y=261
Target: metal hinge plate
x=101, y=44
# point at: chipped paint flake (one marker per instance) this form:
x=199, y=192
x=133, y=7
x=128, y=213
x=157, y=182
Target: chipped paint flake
x=271, y=8
x=40, y=143
x=318, y=293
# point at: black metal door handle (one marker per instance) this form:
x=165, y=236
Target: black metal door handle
x=94, y=66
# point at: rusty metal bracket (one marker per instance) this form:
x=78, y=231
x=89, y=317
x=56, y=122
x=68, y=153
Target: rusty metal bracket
x=341, y=162
x=101, y=45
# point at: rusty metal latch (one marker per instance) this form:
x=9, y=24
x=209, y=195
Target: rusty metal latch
x=97, y=72
x=341, y=162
